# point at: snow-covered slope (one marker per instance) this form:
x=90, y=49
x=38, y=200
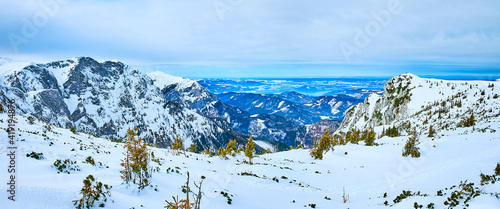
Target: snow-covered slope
x=410, y=102
x=106, y=99
x=290, y=179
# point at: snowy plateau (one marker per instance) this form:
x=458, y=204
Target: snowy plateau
x=51, y=96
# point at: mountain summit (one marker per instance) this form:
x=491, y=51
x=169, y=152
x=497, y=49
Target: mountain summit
x=106, y=99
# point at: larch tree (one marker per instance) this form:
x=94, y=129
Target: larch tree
x=136, y=163
x=231, y=148
x=250, y=149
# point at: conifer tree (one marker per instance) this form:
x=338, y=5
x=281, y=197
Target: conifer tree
x=322, y=146
x=342, y=140
x=193, y=148
x=178, y=145
x=231, y=148
x=250, y=149
x=326, y=141
x=206, y=152
x=354, y=138
x=126, y=164
x=315, y=151
x=411, y=148
x=221, y=153
x=370, y=138
x=383, y=133
x=431, y=131
x=91, y=192
x=136, y=163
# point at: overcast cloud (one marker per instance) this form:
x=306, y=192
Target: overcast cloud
x=237, y=36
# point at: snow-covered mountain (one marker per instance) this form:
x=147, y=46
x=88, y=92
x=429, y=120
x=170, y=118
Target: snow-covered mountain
x=410, y=102
x=106, y=99
x=268, y=125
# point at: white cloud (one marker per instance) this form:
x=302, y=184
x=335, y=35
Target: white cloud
x=263, y=31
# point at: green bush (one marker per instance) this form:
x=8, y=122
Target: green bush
x=65, y=166
x=92, y=192
x=35, y=155
x=411, y=148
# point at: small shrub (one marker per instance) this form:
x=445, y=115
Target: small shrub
x=466, y=191
x=35, y=155
x=417, y=206
x=468, y=121
x=73, y=129
x=31, y=120
x=90, y=160
x=92, y=192
x=402, y=196
x=65, y=166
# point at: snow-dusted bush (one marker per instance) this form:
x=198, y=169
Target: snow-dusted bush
x=93, y=192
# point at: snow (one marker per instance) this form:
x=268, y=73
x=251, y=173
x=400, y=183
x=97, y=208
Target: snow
x=264, y=145
x=72, y=103
x=281, y=104
x=8, y=68
x=365, y=172
x=162, y=80
x=324, y=117
x=62, y=74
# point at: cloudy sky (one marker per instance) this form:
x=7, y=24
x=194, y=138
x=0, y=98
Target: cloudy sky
x=261, y=38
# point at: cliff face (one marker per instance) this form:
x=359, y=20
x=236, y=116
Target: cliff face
x=106, y=99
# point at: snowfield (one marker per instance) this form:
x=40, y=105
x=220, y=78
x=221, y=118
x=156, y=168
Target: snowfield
x=366, y=173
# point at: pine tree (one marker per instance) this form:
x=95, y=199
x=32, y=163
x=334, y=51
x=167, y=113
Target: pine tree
x=250, y=149
x=342, y=140
x=73, y=129
x=468, y=122
x=431, y=131
x=383, y=133
x=411, y=148
x=221, y=153
x=91, y=192
x=178, y=144
x=127, y=171
x=136, y=162
x=370, y=138
x=206, y=152
x=322, y=146
x=315, y=151
x=326, y=141
x=231, y=148
x=193, y=148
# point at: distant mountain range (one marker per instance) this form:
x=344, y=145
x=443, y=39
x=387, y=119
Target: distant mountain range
x=354, y=87
x=107, y=98
x=301, y=108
